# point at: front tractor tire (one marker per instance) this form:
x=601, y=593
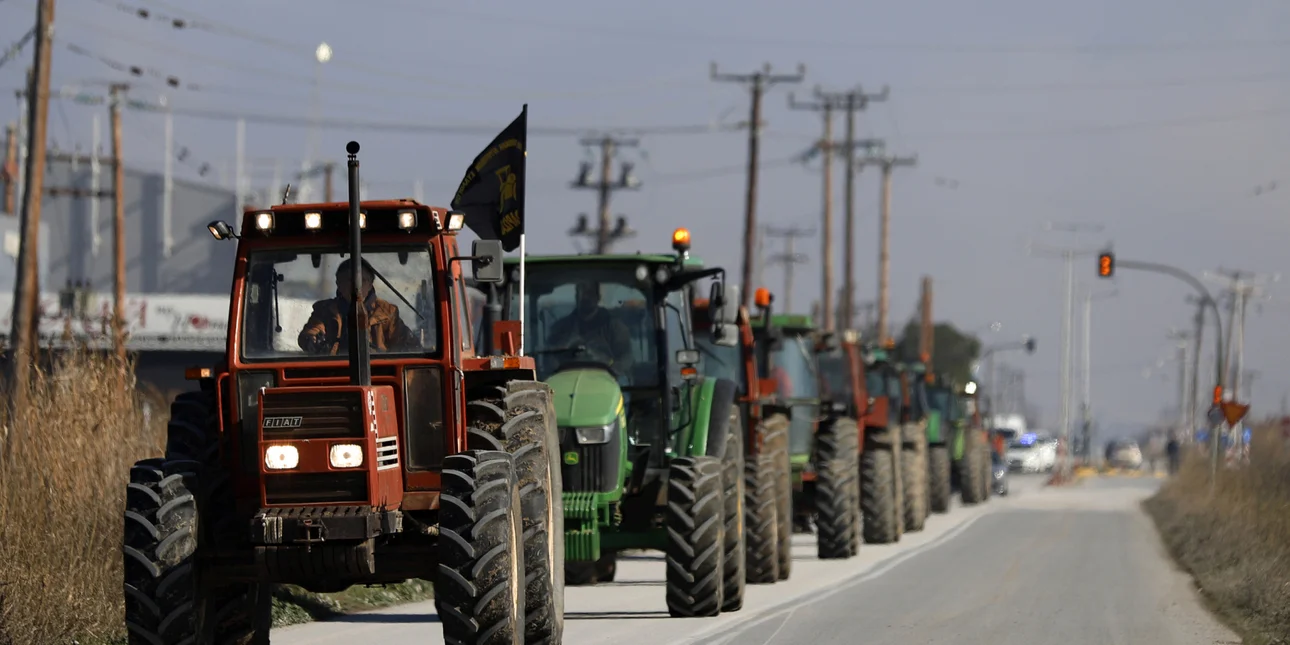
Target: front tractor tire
x=878, y=495
x=480, y=590
x=519, y=419
x=761, y=513
x=733, y=567
x=913, y=471
x=836, y=504
x=971, y=483
x=775, y=447
x=696, y=536
x=175, y=508
x=939, y=470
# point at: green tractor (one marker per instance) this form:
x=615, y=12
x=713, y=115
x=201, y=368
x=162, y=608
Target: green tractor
x=833, y=495
x=965, y=441
x=652, y=453
x=945, y=441
x=882, y=495
x=915, y=466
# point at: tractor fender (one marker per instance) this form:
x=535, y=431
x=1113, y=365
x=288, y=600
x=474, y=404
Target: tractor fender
x=712, y=417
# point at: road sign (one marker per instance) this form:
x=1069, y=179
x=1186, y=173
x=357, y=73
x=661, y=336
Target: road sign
x=1215, y=415
x=1234, y=412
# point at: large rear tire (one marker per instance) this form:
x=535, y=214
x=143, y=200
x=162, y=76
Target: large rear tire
x=733, y=567
x=913, y=471
x=480, y=587
x=776, y=447
x=519, y=419
x=695, y=531
x=837, y=449
x=939, y=469
x=175, y=508
x=878, y=495
x=761, y=513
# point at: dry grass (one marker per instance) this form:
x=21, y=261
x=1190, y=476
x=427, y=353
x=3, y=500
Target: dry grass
x=64, y=466
x=64, y=463
x=1236, y=543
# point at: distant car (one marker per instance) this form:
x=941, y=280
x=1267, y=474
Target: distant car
x=1029, y=454
x=1125, y=454
x=999, y=483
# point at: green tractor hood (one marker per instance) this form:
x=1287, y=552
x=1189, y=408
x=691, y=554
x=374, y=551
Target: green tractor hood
x=585, y=398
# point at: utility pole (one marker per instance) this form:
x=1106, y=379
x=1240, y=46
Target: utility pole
x=22, y=335
x=10, y=169
x=788, y=258
x=604, y=236
x=1068, y=256
x=118, y=223
x=1086, y=348
x=927, y=335
x=1184, y=369
x=759, y=81
x=887, y=163
x=1198, y=334
x=825, y=146
x=850, y=102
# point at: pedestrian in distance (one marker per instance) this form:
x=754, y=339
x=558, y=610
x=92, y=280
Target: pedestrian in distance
x=1173, y=449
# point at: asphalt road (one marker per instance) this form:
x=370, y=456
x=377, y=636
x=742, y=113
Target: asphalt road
x=1077, y=565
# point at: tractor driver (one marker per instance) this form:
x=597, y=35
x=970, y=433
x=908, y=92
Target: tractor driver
x=327, y=331
x=591, y=325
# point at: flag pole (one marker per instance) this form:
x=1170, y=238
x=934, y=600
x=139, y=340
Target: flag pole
x=523, y=179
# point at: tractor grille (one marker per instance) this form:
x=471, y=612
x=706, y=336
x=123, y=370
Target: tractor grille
x=309, y=415
x=585, y=476
x=315, y=488
x=597, y=467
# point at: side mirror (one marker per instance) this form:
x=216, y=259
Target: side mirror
x=221, y=230
x=486, y=261
x=723, y=302
x=687, y=356
x=725, y=334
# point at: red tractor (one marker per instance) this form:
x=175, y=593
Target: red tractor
x=312, y=457
x=768, y=492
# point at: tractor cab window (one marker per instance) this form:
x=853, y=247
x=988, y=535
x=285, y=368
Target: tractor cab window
x=793, y=366
x=835, y=374
x=296, y=303
x=874, y=382
x=918, y=396
x=938, y=398
x=581, y=314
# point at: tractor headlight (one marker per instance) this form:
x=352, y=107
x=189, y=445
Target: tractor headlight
x=456, y=221
x=281, y=457
x=407, y=220
x=346, y=455
x=264, y=222
x=313, y=221
x=595, y=435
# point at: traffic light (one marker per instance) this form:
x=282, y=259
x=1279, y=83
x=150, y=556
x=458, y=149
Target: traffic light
x=1106, y=265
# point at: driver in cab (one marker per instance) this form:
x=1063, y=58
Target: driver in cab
x=591, y=326
x=327, y=331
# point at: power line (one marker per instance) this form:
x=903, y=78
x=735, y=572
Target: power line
x=708, y=39
x=16, y=48
x=351, y=124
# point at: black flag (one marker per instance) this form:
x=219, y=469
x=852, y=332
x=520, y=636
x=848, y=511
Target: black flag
x=492, y=192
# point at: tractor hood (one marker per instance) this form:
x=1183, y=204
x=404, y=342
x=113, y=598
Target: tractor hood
x=585, y=397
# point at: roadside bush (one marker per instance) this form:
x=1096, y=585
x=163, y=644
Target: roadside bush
x=1235, y=542
x=64, y=464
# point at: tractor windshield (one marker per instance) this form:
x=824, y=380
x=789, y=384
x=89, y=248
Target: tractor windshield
x=793, y=366
x=835, y=374
x=580, y=313
x=295, y=303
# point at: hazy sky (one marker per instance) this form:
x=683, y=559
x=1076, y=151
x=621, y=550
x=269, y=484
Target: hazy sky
x=1157, y=119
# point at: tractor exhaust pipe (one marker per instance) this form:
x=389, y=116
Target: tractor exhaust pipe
x=360, y=364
